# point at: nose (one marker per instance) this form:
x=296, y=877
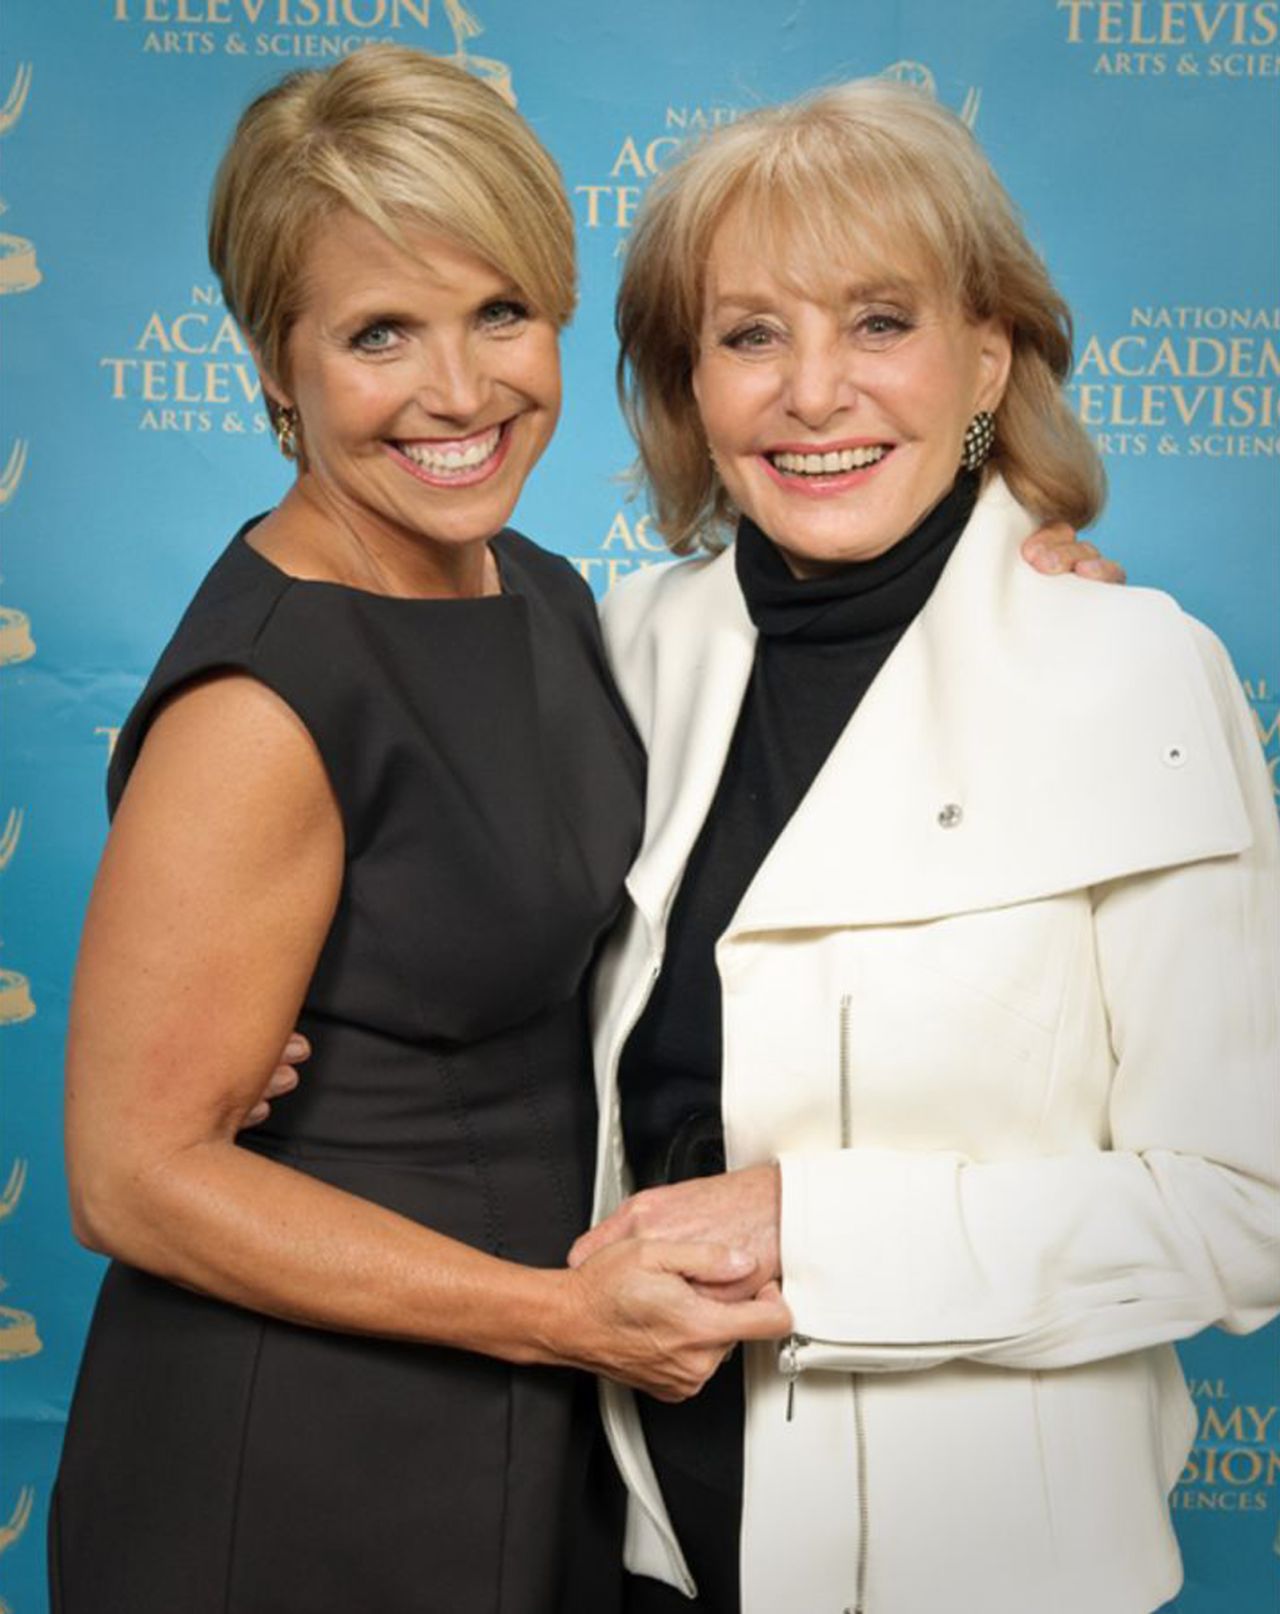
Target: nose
x=454, y=384
x=820, y=382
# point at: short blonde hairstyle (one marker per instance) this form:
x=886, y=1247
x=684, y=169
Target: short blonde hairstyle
x=871, y=171
x=402, y=139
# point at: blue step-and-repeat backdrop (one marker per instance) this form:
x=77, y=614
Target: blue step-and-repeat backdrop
x=1140, y=137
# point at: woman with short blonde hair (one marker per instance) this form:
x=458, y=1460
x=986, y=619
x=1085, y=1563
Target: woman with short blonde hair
x=379, y=785
x=400, y=139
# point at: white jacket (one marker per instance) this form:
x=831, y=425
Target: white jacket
x=1002, y=1000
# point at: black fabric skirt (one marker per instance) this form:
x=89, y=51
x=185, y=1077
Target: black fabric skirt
x=225, y=1463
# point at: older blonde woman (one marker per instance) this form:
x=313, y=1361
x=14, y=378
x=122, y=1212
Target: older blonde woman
x=953, y=933
x=379, y=782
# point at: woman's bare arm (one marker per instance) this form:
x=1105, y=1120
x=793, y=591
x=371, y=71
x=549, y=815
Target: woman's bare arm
x=218, y=884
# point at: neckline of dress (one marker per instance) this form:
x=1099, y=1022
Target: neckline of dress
x=506, y=590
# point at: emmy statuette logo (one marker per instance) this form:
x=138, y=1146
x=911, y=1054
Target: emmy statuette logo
x=18, y=1334
x=10, y=835
x=466, y=26
x=16, y=99
x=16, y=1002
x=917, y=73
x=15, y=1527
x=16, y=643
x=11, y=475
x=18, y=1338
x=18, y=268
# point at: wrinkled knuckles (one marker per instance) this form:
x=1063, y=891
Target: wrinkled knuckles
x=637, y=1213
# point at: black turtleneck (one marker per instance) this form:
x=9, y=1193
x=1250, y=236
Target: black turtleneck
x=821, y=642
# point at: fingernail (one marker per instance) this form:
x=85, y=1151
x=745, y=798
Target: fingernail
x=296, y=1047
x=1091, y=568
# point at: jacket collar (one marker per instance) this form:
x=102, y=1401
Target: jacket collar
x=1028, y=736
x=698, y=692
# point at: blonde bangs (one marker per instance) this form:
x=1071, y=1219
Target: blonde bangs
x=405, y=141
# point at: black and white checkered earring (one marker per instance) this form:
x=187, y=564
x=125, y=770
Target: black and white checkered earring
x=979, y=435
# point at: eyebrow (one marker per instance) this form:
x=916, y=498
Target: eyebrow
x=374, y=307
x=869, y=291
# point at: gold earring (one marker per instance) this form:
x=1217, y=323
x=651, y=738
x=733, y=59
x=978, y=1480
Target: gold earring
x=284, y=420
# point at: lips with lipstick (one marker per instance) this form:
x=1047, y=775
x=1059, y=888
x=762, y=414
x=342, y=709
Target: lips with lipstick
x=827, y=462
x=455, y=461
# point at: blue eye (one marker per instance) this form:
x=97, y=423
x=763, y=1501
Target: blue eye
x=503, y=311
x=376, y=337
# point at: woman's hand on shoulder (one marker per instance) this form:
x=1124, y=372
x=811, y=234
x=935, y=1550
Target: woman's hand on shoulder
x=634, y=1313
x=1055, y=549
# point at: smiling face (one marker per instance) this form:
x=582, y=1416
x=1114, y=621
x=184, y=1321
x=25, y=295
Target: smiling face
x=835, y=415
x=426, y=387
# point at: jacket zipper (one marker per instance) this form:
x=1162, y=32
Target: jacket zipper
x=846, y=1075
x=789, y=1356
x=859, y=1427
x=860, y=1439
x=789, y=1360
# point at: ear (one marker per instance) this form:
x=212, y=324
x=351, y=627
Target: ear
x=275, y=394
x=995, y=356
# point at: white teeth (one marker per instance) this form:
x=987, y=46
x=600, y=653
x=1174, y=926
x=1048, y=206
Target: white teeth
x=455, y=457
x=833, y=462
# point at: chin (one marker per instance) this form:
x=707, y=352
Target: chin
x=822, y=550
x=468, y=521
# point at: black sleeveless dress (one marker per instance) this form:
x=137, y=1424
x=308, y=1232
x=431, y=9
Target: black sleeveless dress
x=220, y=1462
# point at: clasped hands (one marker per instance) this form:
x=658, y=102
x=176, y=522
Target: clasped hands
x=684, y=1272
x=660, y=1292
x=738, y=1209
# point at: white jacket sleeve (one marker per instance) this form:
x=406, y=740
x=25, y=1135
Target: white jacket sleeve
x=895, y=1259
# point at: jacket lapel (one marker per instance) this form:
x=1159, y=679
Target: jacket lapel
x=998, y=758
x=702, y=663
